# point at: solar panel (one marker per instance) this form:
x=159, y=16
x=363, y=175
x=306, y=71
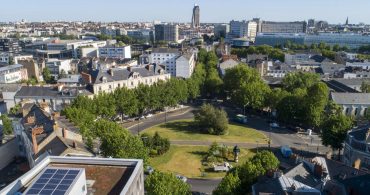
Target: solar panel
x=54, y=181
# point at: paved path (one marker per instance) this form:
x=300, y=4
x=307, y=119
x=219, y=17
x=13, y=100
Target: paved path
x=208, y=143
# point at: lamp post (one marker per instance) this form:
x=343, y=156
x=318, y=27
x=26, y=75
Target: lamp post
x=244, y=108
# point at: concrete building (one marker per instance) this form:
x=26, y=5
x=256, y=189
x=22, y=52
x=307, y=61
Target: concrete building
x=81, y=176
x=107, y=80
x=32, y=68
x=71, y=80
x=110, y=31
x=87, y=52
x=283, y=27
x=243, y=29
x=4, y=57
x=70, y=47
x=356, y=148
x=166, y=32
x=56, y=66
x=227, y=64
x=13, y=73
x=353, y=104
x=274, y=39
x=115, y=52
x=365, y=65
x=185, y=65
x=166, y=57
x=195, y=20
x=221, y=30
x=10, y=46
x=7, y=93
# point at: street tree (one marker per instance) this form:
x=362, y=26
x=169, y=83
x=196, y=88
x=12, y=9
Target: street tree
x=334, y=130
x=365, y=87
x=126, y=102
x=159, y=183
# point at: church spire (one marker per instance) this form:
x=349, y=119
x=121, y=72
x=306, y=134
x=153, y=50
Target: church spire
x=347, y=21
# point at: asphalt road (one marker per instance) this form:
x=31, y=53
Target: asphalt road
x=203, y=185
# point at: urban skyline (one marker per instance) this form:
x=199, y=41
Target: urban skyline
x=178, y=11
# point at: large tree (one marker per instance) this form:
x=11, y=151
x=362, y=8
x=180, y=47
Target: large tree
x=245, y=86
x=315, y=103
x=212, y=120
x=334, y=130
x=159, y=183
x=296, y=80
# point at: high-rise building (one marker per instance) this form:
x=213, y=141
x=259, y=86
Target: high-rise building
x=195, y=20
x=221, y=30
x=240, y=29
x=166, y=32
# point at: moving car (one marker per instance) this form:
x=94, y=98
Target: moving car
x=274, y=125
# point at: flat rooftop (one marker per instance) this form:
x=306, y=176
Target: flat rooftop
x=103, y=175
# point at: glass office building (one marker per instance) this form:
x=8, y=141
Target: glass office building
x=350, y=40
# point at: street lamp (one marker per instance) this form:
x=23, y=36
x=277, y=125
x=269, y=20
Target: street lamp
x=244, y=108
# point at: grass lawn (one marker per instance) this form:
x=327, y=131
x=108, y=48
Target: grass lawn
x=186, y=130
x=187, y=161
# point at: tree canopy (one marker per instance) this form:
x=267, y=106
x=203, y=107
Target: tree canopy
x=159, y=183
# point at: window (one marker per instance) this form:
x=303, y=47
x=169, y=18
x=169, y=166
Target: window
x=132, y=83
x=356, y=111
x=119, y=85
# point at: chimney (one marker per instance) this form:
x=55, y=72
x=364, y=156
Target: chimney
x=30, y=119
x=111, y=72
x=34, y=144
x=64, y=132
x=357, y=164
x=318, y=170
x=86, y=77
x=60, y=88
x=36, y=131
x=129, y=68
x=74, y=144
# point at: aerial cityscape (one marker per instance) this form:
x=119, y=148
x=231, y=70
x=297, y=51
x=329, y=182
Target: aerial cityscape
x=180, y=97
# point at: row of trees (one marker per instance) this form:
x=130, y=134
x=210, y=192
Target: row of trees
x=273, y=53
x=240, y=179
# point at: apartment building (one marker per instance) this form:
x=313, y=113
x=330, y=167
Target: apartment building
x=107, y=80
x=166, y=32
x=13, y=73
x=115, y=52
x=81, y=176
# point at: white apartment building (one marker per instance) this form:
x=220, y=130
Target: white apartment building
x=73, y=45
x=13, y=74
x=56, y=66
x=115, y=52
x=107, y=80
x=364, y=65
x=166, y=57
x=185, y=65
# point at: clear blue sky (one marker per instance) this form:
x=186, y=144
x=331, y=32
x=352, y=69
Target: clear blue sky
x=334, y=11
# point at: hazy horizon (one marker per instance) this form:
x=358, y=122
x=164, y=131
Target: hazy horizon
x=211, y=11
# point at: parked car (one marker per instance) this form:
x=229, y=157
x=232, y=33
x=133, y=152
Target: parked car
x=182, y=178
x=225, y=167
x=149, y=115
x=274, y=125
